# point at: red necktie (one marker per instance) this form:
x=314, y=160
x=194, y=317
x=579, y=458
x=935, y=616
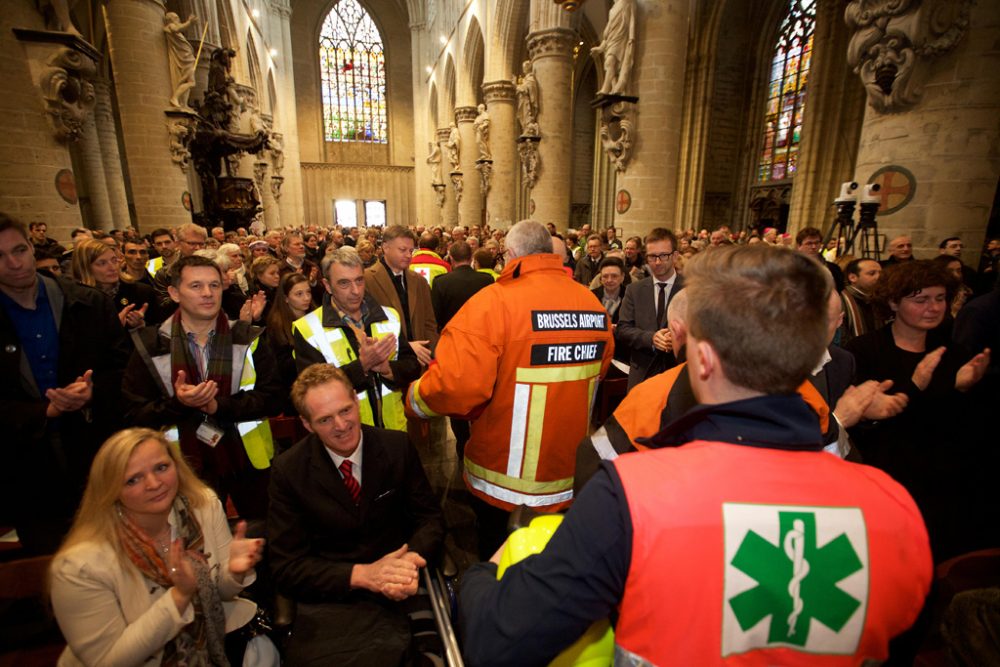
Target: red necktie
x=350, y=482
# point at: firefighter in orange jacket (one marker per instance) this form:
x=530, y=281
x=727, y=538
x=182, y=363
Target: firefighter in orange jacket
x=522, y=359
x=737, y=540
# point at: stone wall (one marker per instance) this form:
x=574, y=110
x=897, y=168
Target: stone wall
x=32, y=157
x=950, y=141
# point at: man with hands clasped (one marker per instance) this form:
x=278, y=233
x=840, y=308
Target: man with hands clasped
x=352, y=520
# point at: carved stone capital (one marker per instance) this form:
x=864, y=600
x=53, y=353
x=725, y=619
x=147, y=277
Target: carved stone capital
x=465, y=114
x=554, y=43
x=439, y=192
x=259, y=172
x=67, y=92
x=458, y=184
x=617, y=131
x=527, y=149
x=276, y=182
x=442, y=134
x=180, y=127
x=893, y=40
x=499, y=91
x=485, y=168
x=282, y=8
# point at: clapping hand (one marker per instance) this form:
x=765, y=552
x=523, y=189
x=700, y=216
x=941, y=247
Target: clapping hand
x=973, y=371
x=663, y=340
x=132, y=317
x=253, y=307
x=72, y=397
x=201, y=396
x=883, y=405
x=925, y=369
x=244, y=553
x=182, y=575
x=375, y=354
x=422, y=348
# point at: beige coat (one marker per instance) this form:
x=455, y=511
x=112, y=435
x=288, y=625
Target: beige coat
x=111, y=615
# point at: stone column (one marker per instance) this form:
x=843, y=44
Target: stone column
x=107, y=135
x=470, y=209
x=286, y=119
x=93, y=176
x=658, y=80
x=552, y=61
x=142, y=78
x=499, y=97
x=946, y=139
x=449, y=212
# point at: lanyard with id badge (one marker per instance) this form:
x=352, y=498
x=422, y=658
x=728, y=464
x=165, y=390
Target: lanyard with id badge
x=209, y=433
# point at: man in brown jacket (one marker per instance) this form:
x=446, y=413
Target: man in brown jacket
x=391, y=282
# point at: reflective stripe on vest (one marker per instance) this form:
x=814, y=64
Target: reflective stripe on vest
x=154, y=265
x=337, y=350
x=255, y=434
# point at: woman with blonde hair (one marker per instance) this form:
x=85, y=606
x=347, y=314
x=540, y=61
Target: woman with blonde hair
x=149, y=573
x=96, y=264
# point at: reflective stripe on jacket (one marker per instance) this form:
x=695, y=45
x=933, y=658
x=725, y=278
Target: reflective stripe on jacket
x=387, y=410
x=255, y=434
x=522, y=358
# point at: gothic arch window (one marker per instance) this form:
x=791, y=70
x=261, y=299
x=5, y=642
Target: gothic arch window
x=352, y=74
x=786, y=94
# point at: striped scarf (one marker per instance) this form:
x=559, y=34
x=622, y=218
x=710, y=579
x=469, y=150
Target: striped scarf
x=202, y=642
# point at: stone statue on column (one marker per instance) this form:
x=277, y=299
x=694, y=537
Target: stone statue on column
x=182, y=59
x=482, y=128
x=434, y=160
x=618, y=48
x=454, y=146
x=527, y=101
x=276, y=142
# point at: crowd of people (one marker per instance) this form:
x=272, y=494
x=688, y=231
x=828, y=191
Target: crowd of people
x=144, y=372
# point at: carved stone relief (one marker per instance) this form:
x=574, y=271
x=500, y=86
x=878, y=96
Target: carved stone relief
x=893, y=40
x=67, y=94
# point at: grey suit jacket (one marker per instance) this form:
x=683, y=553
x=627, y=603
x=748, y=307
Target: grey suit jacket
x=636, y=326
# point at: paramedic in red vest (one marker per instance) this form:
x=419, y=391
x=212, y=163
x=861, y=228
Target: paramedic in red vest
x=743, y=543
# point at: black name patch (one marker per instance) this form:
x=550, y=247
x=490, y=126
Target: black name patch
x=569, y=320
x=566, y=353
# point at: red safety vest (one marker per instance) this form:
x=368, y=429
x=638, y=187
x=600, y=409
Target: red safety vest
x=752, y=556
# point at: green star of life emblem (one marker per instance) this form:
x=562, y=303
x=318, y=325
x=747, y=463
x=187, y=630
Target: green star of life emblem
x=796, y=580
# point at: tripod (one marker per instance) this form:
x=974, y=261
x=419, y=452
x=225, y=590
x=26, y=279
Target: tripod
x=867, y=226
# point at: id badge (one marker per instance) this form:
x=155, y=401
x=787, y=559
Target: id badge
x=209, y=433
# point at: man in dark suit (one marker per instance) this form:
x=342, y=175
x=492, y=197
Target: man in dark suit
x=63, y=351
x=448, y=294
x=642, y=324
x=352, y=520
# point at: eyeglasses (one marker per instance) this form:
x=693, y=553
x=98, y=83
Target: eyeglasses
x=196, y=244
x=662, y=257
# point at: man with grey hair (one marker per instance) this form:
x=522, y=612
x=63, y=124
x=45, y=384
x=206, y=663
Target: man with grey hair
x=522, y=359
x=353, y=332
x=190, y=238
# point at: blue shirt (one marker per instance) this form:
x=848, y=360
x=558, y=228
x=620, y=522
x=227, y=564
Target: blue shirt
x=36, y=328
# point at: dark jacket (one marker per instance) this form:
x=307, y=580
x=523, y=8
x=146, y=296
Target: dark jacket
x=636, y=326
x=586, y=268
x=46, y=461
x=317, y=533
x=146, y=404
x=451, y=290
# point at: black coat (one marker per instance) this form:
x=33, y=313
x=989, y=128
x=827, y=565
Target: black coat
x=451, y=290
x=317, y=533
x=46, y=461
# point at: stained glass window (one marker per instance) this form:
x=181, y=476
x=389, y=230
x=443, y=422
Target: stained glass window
x=786, y=94
x=352, y=69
